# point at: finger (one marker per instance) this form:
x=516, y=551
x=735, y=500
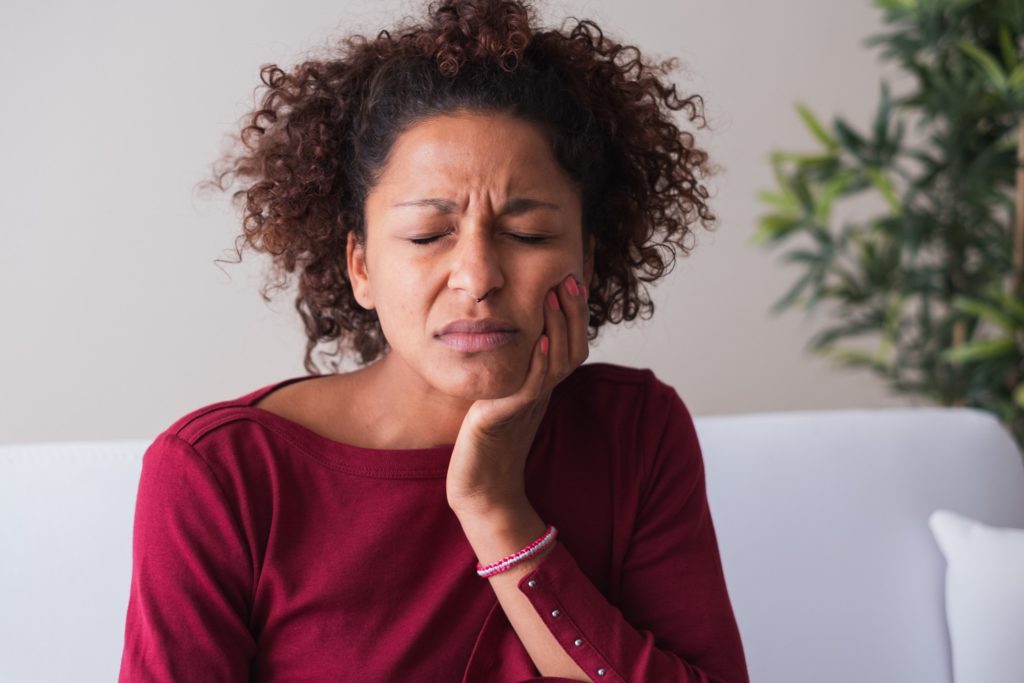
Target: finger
x=577, y=315
x=555, y=326
x=540, y=365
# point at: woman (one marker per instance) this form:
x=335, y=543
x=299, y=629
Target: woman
x=466, y=204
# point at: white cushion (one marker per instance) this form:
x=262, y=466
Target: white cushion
x=822, y=517
x=984, y=597
x=66, y=519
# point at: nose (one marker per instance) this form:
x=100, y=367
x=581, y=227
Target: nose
x=476, y=265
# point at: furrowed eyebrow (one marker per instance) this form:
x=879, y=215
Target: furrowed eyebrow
x=515, y=205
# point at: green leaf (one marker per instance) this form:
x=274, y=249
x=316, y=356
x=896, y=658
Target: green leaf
x=1011, y=304
x=803, y=193
x=782, y=200
x=984, y=311
x=896, y=141
x=980, y=350
x=781, y=179
x=881, y=181
x=1007, y=47
x=1018, y=395
x=812, y=159
x=818, y=273
x=853, y=328
x=854, y=357
x=988, y=63
x=850, y=289
x=773, y=228
x=956, y=5
x=882, y=117
x=898, y=7
x=816, y=128
x=893, y=309
x=849, y=138
x=793, y=294
x=1016, y=80
x=1004, y=409
x=802, y=256
x=832, y=190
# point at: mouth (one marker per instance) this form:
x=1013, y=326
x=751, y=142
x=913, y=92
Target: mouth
x=476, y=334
x=477, y=341
x=476, y=325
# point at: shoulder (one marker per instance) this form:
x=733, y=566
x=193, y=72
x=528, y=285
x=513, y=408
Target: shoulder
x=620, y=402
x=621, y=397
x=237, y=414
x=609, y=382
x=227, y=449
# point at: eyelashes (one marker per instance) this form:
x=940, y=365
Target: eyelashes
x=524, y=239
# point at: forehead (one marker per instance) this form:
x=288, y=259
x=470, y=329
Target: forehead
x=472, y=148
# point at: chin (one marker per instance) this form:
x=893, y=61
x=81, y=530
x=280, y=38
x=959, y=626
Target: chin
x=475, y=380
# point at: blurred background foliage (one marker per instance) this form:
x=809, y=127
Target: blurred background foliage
x=936, y=276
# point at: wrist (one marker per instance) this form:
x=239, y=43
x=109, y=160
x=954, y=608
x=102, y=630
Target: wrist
x=521, y=557
x=489, y=509
x=503, y=531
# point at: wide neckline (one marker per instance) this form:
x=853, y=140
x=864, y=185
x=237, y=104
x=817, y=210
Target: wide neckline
x=406, y=463
x=415, y=463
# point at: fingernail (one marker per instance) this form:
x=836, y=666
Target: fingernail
x=582, y=289
x=571, y=286
x=553, y=300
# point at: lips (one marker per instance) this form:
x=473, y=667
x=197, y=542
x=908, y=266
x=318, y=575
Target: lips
x=480, y=326
x=484, y=334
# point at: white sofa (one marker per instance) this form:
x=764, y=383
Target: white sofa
x=822, y=521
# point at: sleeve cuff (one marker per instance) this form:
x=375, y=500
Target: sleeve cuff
x=553, y=587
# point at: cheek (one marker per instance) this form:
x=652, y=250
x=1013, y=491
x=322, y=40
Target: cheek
x=398, y=308
x=535, y=295
x=554, y=272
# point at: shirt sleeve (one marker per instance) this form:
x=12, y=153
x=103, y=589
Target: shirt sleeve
x=675, y=620
x=192, y=576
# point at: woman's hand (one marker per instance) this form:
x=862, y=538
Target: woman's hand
x=486, y=471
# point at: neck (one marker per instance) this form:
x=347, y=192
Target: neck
x=409, y=412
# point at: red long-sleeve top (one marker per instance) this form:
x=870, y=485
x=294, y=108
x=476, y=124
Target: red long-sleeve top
x=263, y=551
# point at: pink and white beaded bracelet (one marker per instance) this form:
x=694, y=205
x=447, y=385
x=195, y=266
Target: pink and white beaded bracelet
x=501, y=565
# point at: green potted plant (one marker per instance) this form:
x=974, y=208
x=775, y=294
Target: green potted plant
x=937, y=274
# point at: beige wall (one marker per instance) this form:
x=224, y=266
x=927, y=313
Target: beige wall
x=116, y=321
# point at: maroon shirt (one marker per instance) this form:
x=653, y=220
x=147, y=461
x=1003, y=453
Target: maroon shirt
x=263, y=551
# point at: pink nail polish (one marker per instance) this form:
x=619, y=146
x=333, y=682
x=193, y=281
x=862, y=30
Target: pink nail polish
x=571, y=285
x=553, y=301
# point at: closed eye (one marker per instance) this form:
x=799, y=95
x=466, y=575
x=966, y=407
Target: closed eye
x=525, y=239
x=422, y=241
x=426, y=240
x=529, y=239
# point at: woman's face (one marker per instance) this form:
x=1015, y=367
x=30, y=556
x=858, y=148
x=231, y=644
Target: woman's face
x=469, y=206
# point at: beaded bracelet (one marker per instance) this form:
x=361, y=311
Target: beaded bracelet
x=530, y=550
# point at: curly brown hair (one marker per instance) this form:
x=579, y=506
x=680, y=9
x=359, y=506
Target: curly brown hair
x=316, y=144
